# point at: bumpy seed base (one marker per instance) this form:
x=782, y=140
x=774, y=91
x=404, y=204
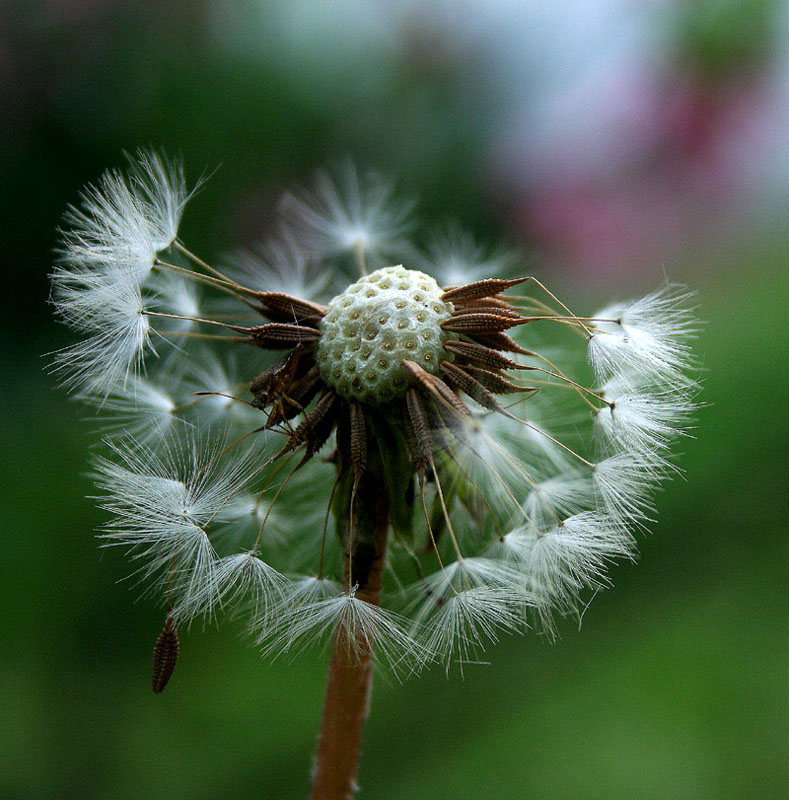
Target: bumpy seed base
x=384, y=318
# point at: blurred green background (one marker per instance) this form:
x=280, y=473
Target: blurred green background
x=617, y=145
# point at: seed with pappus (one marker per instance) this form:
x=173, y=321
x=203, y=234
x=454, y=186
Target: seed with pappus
x=322, y=439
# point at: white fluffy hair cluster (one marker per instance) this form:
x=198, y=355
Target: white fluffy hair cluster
x=537, y=498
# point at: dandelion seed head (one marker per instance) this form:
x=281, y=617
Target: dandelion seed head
x=413, y=443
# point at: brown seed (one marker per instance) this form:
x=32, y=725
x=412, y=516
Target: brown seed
x=484, y=288
x=489, y=305
x=276, y=379
x=313, y=427
x=496, y=383
x=472, y=387
x=484, y=356
x=484, y=323
x=321, y=431
x=500, y=341
x=358, y=437
x=418, y=439
x=165, y=656
x=281, y=335
x=280, y=307
x=435, y=388
x=482, y=302
x=297, y=397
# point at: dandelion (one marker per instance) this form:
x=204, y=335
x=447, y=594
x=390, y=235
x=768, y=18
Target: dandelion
x=393, y=466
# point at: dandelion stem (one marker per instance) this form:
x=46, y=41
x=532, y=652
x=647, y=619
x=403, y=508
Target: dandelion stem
x=205, y=336
x=350, y=675
x=580, y=388
x=445, y=511
x=558, y=443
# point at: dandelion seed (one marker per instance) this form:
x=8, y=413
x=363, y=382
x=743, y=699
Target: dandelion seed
x=124, y=220
x=246, y=578
x=625, y=483
x=470, y=618
x=214, y=389
x=114, y=350
x=281, y=265
x=162, y=506
x=361, y=627
x=180, y=298
x=137, y=407
x=350, y=214
x=644, y=340
x=108, y=251
x=160, y=185
x=558, y=562
x=468, y=603
x=641, y=420
x=454, y=257
x=558, y=497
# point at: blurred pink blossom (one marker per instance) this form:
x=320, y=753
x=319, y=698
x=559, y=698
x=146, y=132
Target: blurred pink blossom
x=672, y=156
